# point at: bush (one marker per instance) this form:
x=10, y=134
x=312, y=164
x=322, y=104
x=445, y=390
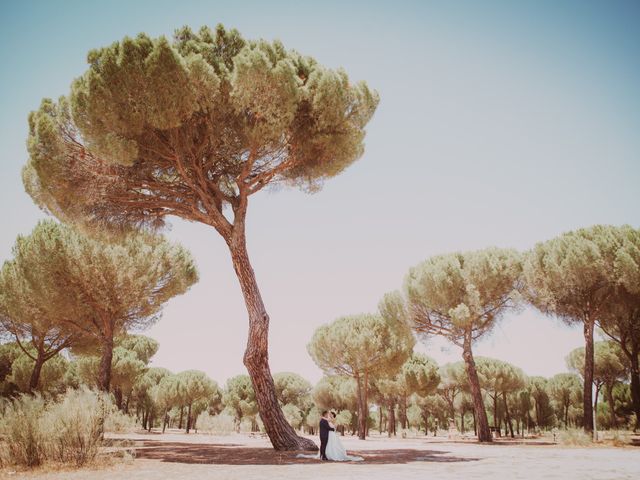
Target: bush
x=21, y=427
x=574, y=437
x=221, y=424
x=119, y=422
x=75, y=426
x=67, y=431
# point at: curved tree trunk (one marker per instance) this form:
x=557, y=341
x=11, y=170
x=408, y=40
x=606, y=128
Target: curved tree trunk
x=256, y=356
x=104, y=376
x=612, y=411
x=587, y=399
x=484, y=434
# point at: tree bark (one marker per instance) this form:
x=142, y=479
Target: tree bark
x=403, y=412
x=181, y=416
x=117, y=393
x=104, y=376
x=508, y=417
x=164, y=420
x=35, y=373
x=380, y=415
x=484, y=434
x=362, y=406
x=635, y=383
x=256, y=356
x=587, y=400
x=188, y=418
x=391, y=419
x=595, y=414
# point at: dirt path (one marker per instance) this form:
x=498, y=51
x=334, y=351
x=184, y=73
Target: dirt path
x=195, y=457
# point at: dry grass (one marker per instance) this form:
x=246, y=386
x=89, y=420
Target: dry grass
x=67, y=431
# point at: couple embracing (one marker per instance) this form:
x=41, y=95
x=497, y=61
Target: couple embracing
x=331, y=447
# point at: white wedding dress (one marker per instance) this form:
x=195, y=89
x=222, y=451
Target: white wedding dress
x=336, y=452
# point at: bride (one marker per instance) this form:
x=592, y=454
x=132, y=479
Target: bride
x=335, y=450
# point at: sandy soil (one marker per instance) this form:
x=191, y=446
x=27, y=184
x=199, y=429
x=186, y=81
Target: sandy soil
x=196, y=456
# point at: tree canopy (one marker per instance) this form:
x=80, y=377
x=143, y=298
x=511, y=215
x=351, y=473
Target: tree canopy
x=461, y=296
x=103, y=289
x=362, y=347
x=216, y=118
x=573, y=277
x=193, y=127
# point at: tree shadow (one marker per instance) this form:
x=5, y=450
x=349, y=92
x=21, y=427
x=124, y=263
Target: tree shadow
x=234, y=454
x=406, y=455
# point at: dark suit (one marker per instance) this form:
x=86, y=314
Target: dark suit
x=325, y=428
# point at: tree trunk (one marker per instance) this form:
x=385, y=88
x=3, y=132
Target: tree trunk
x=635, y=383
x=117, y=393
x=508, y=417
x=496, y=425
x=587, y=399
x=595, y=414
x=380, y=415
x=392, y=419
x=181, y=415
x=484, y=434
x=362, y=406
x=164, y=420
x=188, y=418
x=104, y=376
x=566, y=416
x=403, y=412
x=612, y=411
x=256, y=356
x=35, y=373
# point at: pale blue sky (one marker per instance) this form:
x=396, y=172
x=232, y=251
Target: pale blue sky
x=500, y=123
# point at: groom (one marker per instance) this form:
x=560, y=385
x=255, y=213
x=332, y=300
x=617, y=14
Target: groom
x=324, y=434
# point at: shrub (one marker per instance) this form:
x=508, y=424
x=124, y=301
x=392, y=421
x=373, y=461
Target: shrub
x=221, y=424
x=21, y=426
x=67, y=431
x=574, y=437
x=119, y=422
x=74, y=426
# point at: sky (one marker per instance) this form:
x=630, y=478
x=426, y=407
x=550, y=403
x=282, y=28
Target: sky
x=500, y=124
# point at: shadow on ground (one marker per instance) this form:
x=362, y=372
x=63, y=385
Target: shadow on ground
x=231, y=454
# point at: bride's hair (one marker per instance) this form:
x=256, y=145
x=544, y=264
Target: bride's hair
x=333, y=414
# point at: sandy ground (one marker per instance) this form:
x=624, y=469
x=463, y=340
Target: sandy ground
x=196, y=457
